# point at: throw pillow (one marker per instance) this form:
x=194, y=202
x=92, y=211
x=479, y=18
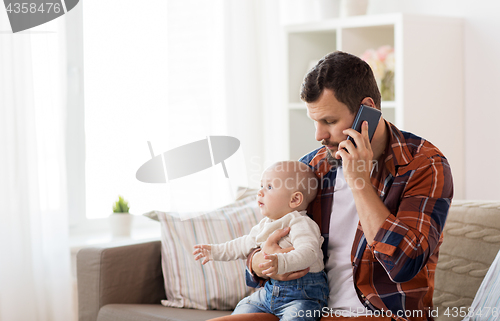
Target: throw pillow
x=486, y=304
x=215, y=285
x=245, y=192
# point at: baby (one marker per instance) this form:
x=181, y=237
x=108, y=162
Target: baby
x=286, y=190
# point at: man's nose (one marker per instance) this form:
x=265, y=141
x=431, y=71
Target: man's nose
x=321, y=132
x=260, y=192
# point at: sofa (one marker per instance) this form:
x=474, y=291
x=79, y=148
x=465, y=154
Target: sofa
x=126, y=283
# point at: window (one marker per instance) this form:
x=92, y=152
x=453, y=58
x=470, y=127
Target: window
x=153, y=72
x=169, y=72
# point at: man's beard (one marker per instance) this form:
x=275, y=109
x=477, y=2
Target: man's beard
x=330, y=158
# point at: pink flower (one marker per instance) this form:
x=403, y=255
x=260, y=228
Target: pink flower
x=390, y=63
x=372, y=58
x=382, y=63
x=383, y=51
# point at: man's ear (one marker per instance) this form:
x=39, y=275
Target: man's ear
x=368, y=101
x=296, y=200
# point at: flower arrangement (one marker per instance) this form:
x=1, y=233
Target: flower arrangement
x=382, y=63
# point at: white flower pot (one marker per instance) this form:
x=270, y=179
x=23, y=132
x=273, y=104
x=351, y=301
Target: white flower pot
x=121, y=224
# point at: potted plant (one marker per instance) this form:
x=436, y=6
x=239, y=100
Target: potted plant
x=121, y=219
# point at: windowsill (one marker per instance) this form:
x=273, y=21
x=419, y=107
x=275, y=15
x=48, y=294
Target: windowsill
x=97, y=232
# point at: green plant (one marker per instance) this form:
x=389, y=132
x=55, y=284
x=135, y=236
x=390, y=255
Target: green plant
x=121, y=206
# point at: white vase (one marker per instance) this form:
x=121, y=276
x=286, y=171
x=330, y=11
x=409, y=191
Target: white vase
x=121, y=224
x=327, y=9
x=353, y=8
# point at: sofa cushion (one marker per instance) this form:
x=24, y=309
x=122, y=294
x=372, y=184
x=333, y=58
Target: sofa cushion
x=154, y=312
x=471, y=242
x=215, y=285
x=245, y=192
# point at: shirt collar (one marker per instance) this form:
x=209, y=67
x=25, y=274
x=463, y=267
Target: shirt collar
x=397, y=152
x=320, y=164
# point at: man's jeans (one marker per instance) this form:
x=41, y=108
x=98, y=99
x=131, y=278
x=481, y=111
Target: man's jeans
x=300, y=299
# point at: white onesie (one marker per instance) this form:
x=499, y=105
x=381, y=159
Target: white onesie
x=304, y=236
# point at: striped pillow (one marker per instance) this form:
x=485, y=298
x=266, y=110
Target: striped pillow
x=486, y=304
x=215, y=285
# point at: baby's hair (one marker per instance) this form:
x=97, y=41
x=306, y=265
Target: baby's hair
x=303, y=178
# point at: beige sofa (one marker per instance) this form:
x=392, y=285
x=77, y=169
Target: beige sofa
x=126, y=283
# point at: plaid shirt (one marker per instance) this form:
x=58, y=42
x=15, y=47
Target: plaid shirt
x=397, y=271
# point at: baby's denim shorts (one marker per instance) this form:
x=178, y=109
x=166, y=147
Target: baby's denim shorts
x=300, y=299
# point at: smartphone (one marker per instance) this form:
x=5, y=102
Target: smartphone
x=369, y=114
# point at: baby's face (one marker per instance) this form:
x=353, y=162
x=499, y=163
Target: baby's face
x=274, y=197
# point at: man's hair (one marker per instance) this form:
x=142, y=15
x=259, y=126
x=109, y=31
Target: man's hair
x=349, y=77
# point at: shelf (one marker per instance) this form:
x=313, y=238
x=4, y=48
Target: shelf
x=302, y=106
x=388, y=104
x=347, y=22
x=297, y=106
x=305, y=49
x=428, y=55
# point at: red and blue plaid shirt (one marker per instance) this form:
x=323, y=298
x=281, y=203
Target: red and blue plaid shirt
x=396, y=272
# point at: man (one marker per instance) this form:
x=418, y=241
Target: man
x=383, y=228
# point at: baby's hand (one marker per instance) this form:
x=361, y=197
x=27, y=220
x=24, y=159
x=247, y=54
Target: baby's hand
x=203, y=250
x=271, y=265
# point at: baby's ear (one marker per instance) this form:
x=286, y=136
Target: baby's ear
x=296, y=199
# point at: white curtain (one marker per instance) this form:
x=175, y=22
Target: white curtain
x=35, y=277
x=255, y=84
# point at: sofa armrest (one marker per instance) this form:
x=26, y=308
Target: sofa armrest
x=123, y=274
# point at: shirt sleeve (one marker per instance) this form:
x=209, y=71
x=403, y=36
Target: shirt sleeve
x=251, y=279
x=238, y=248
x=306, y=240
x=406, y=240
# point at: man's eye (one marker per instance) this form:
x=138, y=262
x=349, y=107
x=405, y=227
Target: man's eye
x=269, y=187
x=329, y=122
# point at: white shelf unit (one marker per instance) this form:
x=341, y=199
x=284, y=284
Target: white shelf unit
x=429, y=82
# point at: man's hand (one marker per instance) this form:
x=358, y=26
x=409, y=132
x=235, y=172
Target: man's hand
x=271, y=247
x=357, y=162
